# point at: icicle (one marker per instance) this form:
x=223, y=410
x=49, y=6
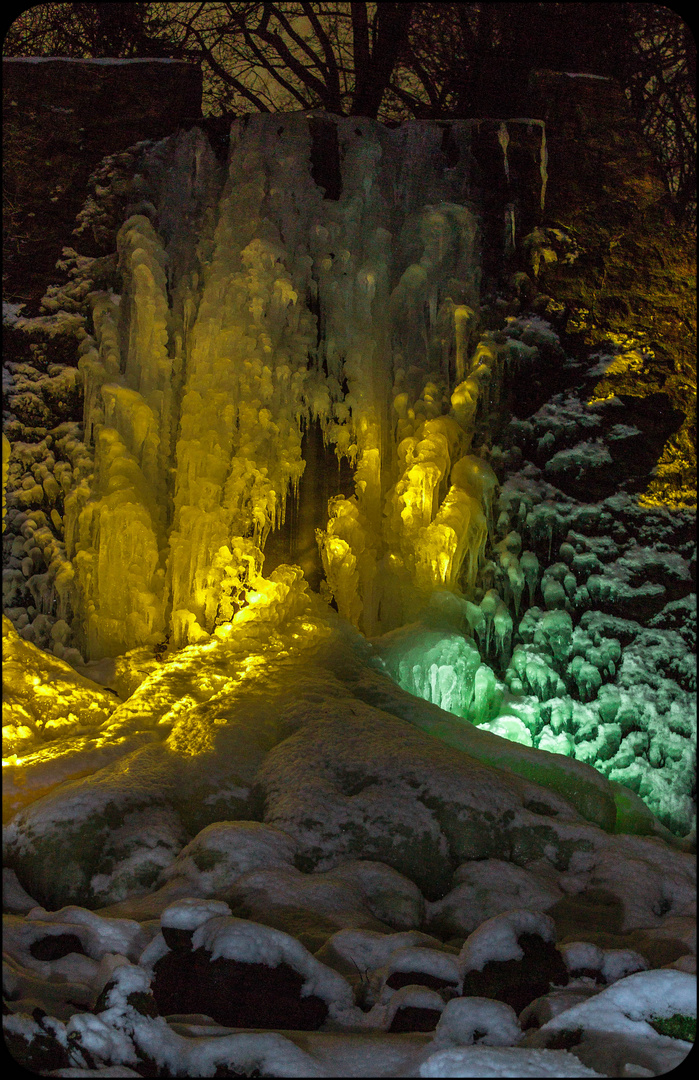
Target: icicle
x=435, y=694
x=504, y=140
x=550, y=530
x=475, y=620
x=529, y=565
x=516, y=582
x=462, y=317
x=489, y=605
x=484, y=694
x=543, y=165
x=509, y=229
x=418, y=681
x=476, y=477
x=503, y=626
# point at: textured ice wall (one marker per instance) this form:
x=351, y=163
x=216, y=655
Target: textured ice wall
x=5, y=464
x=256, y=306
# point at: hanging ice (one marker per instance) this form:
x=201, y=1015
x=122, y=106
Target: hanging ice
x=257, y=309
x=504, y=140
x=543, y=166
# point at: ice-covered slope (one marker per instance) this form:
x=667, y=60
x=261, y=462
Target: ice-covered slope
x=287, y=715
x=269, y=796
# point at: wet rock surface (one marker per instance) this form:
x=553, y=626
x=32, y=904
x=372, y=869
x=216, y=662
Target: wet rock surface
x=518, y=982
x=234, y=993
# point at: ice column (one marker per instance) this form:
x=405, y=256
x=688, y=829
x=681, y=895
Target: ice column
x=115, y=529
x=244, y=399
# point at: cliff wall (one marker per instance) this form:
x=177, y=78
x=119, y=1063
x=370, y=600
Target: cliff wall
x=60, y=118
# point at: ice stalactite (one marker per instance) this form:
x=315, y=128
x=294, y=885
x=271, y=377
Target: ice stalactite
x=433, y=664
x=485, y=694
x=100, y=360
x=145, y=420
x=503, y=625
x=239, y=449
x=510, y=230
x=529, y=565
x=348, y=558
x=543, y=166
x=504, y=140
x=116, y=556
x=463, y=320
x=451, y=546
x=253, y=307
x=516, y=581
x=489, y=606
x=474, y=475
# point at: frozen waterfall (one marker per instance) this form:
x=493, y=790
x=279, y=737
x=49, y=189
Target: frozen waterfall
x=294, y=360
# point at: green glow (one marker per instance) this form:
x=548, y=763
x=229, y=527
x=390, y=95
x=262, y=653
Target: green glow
x=600, y=731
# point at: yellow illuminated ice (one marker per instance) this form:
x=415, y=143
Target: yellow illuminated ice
x=199, y=386
x=46, y=704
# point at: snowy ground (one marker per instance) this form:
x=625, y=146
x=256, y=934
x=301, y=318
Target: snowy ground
x=299, y=830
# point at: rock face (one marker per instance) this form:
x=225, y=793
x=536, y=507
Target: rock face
x=60, y=118
x=515, y=981
x=235, y=993
x=415, y=1018
x=36, y=1046
x=113, y=99
x=629, y=281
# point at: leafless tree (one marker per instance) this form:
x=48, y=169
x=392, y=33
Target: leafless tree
x=661, y=86
x=264, y=56
x=475, y=60
x=396, y=60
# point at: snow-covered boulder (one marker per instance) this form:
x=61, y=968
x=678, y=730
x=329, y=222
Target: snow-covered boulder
x=622, y=1026
x=414, y=1008
x=390, y=896
x=488, y=887
x=243, y=974
x=416, y=965
x=356, y=954
x=309, y=906
x=469, y=1020
x=512, y=957
x=224, y=851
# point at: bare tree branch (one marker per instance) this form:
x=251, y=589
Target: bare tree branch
x=331, y=71
x=394, y=60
